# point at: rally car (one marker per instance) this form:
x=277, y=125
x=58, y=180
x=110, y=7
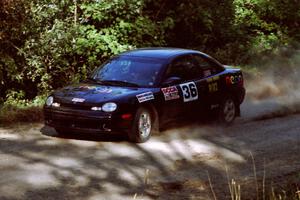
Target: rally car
x=139, y=91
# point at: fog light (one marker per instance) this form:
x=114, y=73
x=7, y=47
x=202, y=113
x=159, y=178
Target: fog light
x=105, y=128
x=127, y=116
x=96, y=108
x=56, y=105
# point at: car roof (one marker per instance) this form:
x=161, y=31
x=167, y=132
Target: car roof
x=159, y=52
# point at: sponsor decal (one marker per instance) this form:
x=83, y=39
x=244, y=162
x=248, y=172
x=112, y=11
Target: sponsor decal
x=213, y=84
x=213, y=87
x=147, y=96
x=214, y=106
x=170, y=93
x=105, y=90
x=78, y=100
x=215, y=78
x=234, y=79
x=116, y=92
x=95, y=89
x=207, y=73
x=189, y=91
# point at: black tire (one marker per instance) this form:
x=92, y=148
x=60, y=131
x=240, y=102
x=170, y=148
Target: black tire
x=61, y=132
x=142, y=127
x=227, y=111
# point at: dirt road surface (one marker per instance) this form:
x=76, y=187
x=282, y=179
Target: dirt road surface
x=184, y=163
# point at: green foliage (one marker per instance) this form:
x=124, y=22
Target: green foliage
x=267, y=25
x=46, y=44
x=11, y=35
x=66, y=47
x=18, y=99
x=51, y=59
x=19, y=109
x=11, y=115
x=110, y=27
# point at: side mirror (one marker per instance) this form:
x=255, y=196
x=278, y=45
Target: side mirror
x=171, y=81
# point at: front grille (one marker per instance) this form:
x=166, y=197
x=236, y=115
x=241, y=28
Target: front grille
x=77, y=119
x=75, y=106
x=84, y=124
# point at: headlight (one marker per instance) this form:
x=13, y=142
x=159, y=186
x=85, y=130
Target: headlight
x=49, y=101
x=109, y=107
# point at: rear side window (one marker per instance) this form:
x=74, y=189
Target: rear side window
x=207, y=66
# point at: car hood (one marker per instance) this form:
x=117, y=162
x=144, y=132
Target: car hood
x=91, y=93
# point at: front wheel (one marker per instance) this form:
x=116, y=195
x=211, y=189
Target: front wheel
x=227, y=112
x=142, y=126
x=61, y=132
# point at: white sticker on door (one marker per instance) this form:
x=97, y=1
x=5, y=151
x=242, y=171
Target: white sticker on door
x=189, y=91
x=145, y=97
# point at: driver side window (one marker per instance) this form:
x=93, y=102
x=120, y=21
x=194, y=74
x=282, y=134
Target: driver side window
x=184, y=68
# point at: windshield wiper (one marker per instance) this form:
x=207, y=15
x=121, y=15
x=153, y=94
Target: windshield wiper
x=112, y=82
x=95, y=80
x=122, y=83
x=91, y=79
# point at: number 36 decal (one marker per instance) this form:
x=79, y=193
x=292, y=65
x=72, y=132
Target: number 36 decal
x=190, y=92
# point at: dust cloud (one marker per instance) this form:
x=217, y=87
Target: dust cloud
x=273, y=89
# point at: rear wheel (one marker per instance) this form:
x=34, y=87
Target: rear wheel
x=142, y=126
x=227, y=112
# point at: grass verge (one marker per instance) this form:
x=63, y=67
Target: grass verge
x=13, y=114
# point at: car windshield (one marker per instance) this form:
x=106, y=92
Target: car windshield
x=128, y=71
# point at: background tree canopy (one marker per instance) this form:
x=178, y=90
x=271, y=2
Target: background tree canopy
x=46, y=44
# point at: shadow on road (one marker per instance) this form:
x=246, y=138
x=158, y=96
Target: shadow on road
x=174, y=165
x=48, y=131
x=36, y=166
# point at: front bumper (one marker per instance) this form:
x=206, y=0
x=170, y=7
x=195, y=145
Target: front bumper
x=85, y=120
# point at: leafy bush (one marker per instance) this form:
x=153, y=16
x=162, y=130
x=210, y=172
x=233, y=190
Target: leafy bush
x=18, y=109
x=67, y=48
x=10, y=115
x=46, y=44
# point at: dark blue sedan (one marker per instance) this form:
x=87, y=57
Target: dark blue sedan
x=139, y=91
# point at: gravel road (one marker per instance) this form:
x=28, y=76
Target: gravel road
x=181, y=163
x=174, y=165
